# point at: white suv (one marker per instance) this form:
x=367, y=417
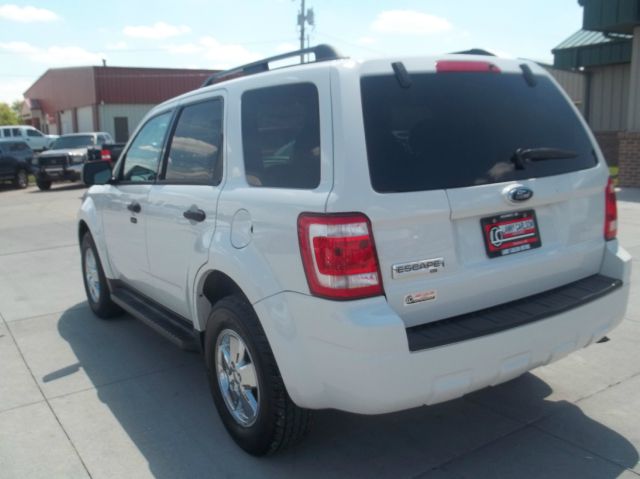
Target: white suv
x=366, y=236
x=36, y=140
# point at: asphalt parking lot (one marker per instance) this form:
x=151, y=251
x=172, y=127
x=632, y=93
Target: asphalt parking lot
x=81, y=397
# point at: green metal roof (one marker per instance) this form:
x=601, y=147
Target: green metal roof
x=611, y=15
x=587, y=48
x=585, y=38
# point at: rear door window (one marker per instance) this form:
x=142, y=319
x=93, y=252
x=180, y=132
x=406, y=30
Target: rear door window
x=195, y=148
x=16, y=132
x=34, y=133
x=281, y=136
x=452, y=130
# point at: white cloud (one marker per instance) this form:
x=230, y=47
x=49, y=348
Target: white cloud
x=156, y=31
x=11, y=90
x=365, y=41
x=216, y=54
x=53, y=55
x=221, y=55
x=27, y=14
x=286, y=47
x=116, y=46
x=409, y=22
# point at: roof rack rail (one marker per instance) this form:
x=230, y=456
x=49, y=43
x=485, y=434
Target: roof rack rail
x=474, y=51
x=322, y=53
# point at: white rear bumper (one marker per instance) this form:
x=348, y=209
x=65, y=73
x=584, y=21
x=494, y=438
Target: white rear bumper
x=354, y=356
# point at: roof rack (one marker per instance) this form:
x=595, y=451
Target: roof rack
x=474, y=51
x=321, y=52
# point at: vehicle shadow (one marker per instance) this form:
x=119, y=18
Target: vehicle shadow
x=172, y=429
x=65, y=187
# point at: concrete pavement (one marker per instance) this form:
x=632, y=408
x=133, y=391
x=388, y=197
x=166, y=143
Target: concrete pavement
x=81, y=397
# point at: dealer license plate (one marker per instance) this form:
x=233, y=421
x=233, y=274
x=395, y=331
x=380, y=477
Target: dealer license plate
x=510, y=233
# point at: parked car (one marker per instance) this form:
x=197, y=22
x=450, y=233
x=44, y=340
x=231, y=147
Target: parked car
x=15, y=162
x=66, y=158
x=364, y=236
x=36, y=140
x=105, y=152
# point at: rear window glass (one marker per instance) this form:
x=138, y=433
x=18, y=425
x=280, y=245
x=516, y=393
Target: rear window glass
x=281, y=136
x=452, y=130
x=194, y=153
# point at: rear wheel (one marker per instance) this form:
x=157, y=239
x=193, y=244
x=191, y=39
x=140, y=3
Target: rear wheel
x=95, y=282
x=43, y=184
x=22, y=179
x=245, y=382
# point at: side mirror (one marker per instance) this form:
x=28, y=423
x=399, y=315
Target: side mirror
x=96, y=173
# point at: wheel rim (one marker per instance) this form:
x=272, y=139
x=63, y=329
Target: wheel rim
x=237, y=378
x=22, y=179
x=91, y=275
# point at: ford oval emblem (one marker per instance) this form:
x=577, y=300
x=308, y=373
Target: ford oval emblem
x=520, y=193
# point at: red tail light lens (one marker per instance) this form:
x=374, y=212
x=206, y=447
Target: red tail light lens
x=445, y=66
x=610, y=213
x=105, y=155
x=339, y=255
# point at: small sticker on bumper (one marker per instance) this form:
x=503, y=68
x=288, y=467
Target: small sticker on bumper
x=419, y=297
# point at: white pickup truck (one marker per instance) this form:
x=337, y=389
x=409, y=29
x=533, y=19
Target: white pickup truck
x=367, y=236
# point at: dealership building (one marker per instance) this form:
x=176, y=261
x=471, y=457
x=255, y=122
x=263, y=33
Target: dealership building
x=106, y=98
x=605, y=57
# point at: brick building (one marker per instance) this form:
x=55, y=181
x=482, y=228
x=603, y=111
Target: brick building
x=112, y=99
x=606, y=52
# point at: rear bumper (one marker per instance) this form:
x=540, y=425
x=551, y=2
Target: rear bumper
x=355, y=356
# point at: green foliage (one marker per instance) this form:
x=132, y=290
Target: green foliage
x=17, y=107
x=8, y=116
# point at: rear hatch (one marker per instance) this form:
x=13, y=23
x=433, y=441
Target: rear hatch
x=486, y=186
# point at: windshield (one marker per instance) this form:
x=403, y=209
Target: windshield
x=452, y=130
x=75, y=141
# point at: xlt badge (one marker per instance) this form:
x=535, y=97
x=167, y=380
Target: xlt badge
x=424, y=266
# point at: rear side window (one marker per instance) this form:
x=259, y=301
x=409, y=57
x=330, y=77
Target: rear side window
x=16, y=132
x=143, y=157
x=34, y=133
x=194, y=152
x=452, y=130
x=281, y=136
x=6, y=132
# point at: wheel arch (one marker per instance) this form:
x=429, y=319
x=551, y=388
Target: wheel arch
x=89, y=222
x=212, y=286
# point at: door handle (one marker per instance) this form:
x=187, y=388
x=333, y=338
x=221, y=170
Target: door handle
x=195, y=215
x=134, y=207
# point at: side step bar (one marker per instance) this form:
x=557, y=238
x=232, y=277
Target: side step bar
x=510, y=315
x=173, y=327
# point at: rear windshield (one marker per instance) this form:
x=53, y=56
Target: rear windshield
x=451, y=130
x=76, y=141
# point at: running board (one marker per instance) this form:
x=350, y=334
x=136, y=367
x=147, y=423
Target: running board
x=173, y=327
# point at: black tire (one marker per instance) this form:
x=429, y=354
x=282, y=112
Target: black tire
x=44, y=185
x=22, y=179
x=279, y=423
x=103, y=307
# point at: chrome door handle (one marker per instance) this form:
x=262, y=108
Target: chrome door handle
x=134, y=207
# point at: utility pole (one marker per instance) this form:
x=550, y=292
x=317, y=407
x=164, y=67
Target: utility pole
x=304, y=17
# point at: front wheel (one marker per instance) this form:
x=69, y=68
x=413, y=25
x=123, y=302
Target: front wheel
x=95, y=282
x=22, y=179
x=44, y=185
x=245, y=382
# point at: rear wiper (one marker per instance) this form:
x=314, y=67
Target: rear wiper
x=540, y=154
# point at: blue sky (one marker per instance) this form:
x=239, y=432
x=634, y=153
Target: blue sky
x=36, y=35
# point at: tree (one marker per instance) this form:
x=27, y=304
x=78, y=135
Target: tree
x=8, y=116
x=17, y=107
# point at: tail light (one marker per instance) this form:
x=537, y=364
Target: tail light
x=610, y=213
x=339, y=255
x=105, y=155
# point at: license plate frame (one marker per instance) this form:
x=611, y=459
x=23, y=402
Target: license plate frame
x=510, y=233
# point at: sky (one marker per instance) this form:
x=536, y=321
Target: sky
x=37, y=35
